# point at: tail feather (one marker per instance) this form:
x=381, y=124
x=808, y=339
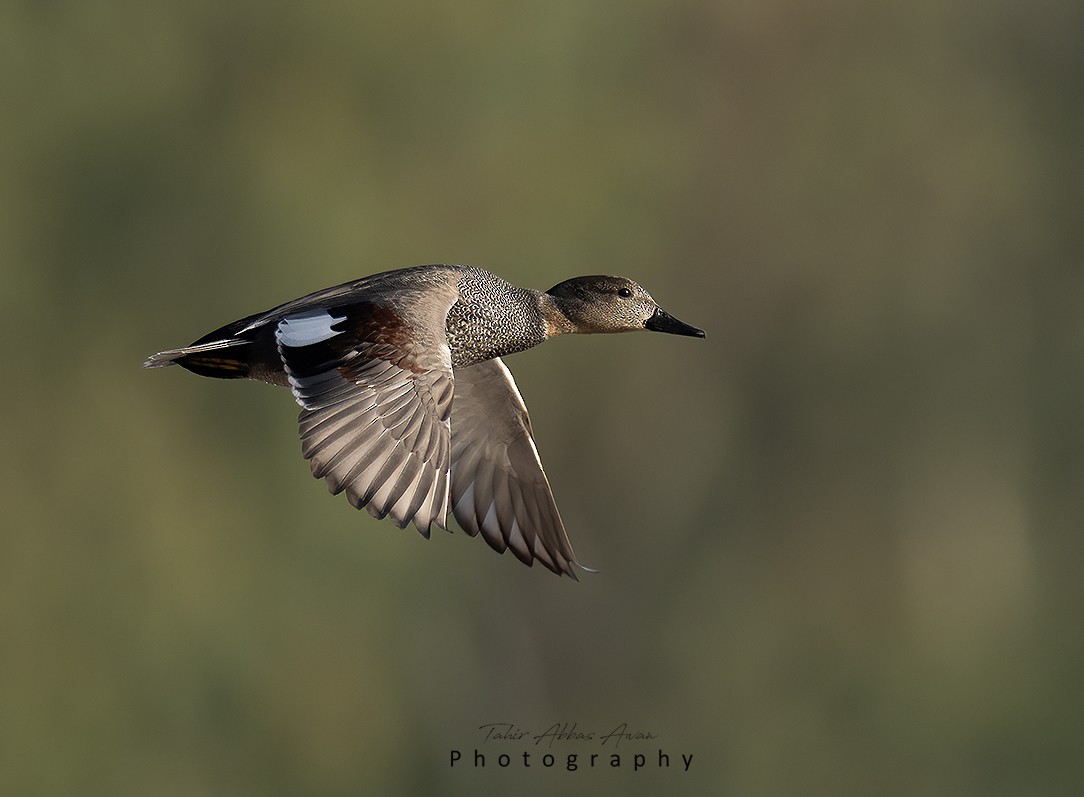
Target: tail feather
x=220, y=358
x=170, y=356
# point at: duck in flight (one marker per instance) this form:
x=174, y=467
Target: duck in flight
x=406, y=405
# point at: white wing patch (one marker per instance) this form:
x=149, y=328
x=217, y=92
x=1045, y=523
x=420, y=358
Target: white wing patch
x=307, y=328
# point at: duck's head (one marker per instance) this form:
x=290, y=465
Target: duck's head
x=612, y=304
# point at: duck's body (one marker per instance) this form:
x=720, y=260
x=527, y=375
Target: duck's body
x=375, y=363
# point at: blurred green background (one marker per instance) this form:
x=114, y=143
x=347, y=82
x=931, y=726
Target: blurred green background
x=839, y=539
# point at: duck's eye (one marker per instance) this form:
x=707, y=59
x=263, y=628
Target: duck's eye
x=624, y=293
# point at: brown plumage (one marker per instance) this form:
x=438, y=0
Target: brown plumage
x=406, y=405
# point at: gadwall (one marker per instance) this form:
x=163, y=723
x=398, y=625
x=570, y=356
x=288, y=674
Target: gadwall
x=374, y=364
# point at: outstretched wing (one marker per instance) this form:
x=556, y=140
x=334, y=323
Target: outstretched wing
x=374, y=380
x=498, y=485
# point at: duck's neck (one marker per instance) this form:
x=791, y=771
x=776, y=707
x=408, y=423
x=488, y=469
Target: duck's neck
x=557, y=323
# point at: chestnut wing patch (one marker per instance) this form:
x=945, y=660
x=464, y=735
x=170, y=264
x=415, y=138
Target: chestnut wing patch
x=376, y=395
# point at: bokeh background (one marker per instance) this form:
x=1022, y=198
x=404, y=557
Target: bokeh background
x=840, y=539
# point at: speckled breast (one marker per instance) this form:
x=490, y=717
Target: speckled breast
x=491, y=319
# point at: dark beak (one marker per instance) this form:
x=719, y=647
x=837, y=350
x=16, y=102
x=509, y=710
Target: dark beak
x=662, y=321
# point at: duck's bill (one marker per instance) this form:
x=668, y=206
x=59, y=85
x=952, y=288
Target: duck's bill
x=662, y=321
